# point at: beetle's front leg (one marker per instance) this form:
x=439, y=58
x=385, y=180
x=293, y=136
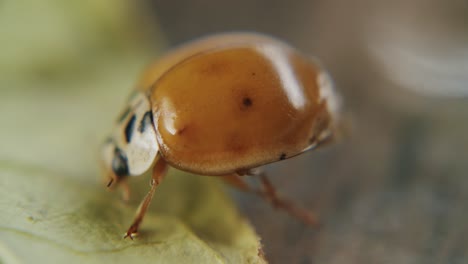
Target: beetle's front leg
x=121, y=182
x=125, y=190
x=159, y=171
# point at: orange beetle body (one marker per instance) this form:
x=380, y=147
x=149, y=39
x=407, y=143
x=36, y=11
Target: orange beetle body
x=224, y=105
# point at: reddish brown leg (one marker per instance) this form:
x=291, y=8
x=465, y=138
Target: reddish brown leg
x=238, y=182
x=269, y=193
x=159, y=170
x=125, y=190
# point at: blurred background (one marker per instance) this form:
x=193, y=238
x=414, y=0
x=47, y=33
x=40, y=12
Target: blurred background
x=394, y=191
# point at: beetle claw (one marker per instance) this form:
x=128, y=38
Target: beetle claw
x=131, y=232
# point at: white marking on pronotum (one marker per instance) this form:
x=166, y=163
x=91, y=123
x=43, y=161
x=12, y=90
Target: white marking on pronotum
x=143, y=148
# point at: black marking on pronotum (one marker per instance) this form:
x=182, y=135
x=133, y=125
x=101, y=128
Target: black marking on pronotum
x=123, y=115
x=119, y=163
x=129, y=129
x=282, y=156
x=145, y=121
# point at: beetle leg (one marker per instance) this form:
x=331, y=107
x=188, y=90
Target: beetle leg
x=125, y=190
x=269, y=193
x=159, y=170
x=122, y=182
x=238, y=182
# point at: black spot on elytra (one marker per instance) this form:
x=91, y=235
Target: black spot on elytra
x=129, y=128
x=247, y=102
x=120, y=163
x=123, y=115
x=145, y=121
x=253, y=73
x=282, y=156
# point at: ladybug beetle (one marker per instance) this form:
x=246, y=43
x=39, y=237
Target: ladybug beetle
x=223, y=105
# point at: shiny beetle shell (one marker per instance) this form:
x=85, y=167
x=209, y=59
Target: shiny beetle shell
x=226, y=104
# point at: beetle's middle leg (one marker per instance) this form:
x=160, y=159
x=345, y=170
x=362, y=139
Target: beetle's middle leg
x=269, y=193
x=159, y=170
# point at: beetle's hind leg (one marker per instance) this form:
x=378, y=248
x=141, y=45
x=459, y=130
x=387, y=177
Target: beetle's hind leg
x=270, y=194
x=159, y=170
